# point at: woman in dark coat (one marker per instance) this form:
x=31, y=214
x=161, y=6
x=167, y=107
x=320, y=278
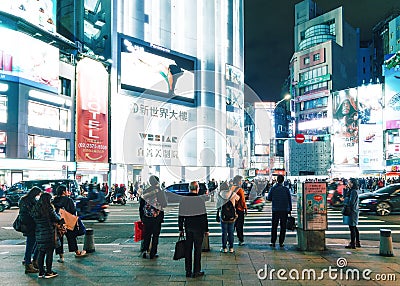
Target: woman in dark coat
x=45, y=218
x=63, y=201
x=151, y=213
x=26, y=204
x=351, y=200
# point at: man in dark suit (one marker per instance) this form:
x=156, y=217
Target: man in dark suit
x=193, y=220
x=281, y=200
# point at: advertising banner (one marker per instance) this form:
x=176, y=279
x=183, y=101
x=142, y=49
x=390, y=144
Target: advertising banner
x=370, y=100
x=41, y=13
x=28, y=60
x=392, y=98
x=314, y=205
x=345, y=127
x=91, y=112
x=153, y=132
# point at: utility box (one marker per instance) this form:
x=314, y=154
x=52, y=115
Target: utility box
x=312, y=219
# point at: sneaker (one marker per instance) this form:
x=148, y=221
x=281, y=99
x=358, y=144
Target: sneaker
x=231, y=250
x=41, y=275
x=350, y=246
x=224, y=250
x=281, y=245
x=358, y=244
x=144, y=254
x=272, y=244
x=241, y=243
x=51, y=274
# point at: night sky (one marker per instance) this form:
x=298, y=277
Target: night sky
x=269, y=26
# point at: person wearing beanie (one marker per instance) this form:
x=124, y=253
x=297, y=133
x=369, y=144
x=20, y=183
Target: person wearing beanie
x=151, y=205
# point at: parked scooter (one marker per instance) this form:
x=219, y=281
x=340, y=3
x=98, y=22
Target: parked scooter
x=92, y=210
x=258, y=203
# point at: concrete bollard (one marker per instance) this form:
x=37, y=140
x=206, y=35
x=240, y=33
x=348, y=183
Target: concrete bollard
x=88, y=243
x=386, y=246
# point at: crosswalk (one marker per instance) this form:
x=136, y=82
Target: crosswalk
x=259, y=223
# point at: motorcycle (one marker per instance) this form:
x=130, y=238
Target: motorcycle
x=97, y=210
x=3, y=204
x=119, y=199
x=258, y=203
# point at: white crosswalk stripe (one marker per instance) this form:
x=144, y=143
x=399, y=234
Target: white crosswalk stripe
x=256, y=223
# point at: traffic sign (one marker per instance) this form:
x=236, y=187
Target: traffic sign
x=299, y=138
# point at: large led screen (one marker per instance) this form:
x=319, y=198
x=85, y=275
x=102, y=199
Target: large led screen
x=40, y=13
x=345, y=127
x=154, y=70
x=28, y=60
x=392, y=98
x=370, y=127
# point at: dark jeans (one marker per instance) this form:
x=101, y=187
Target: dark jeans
x=30, y=248
x=279, y=218
x=193, y=238
x=45, y=250
x=354, y=234
x=72, y=243
x=239, y=223
x=152, y=231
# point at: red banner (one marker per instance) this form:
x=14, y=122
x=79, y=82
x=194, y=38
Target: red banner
x=91, y=112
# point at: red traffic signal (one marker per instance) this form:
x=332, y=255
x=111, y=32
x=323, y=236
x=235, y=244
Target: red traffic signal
x=299, y=138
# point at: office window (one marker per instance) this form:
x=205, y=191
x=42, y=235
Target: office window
x=316, y=57
x=3, y=108
x=307, y=61
x=65, y=86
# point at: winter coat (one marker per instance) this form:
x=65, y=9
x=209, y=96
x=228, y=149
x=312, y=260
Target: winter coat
x=28, y=224
x=66, y=203
x=281, y=199
x=45, y=226
x=351, y=199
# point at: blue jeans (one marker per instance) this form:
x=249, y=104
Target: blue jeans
x=227, y=233
x=30, y=248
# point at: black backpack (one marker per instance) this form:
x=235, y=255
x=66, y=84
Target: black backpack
x=228, y=212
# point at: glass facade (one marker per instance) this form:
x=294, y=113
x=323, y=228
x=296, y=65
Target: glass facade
x=318, y=34
x=48, y=117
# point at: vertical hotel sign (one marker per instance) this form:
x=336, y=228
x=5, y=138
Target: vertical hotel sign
x=92, y=112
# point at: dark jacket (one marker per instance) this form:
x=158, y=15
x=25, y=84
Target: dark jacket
x=45, y=225
x=27, y=223
x=148, y=195
x=351, y=199
x=193, y=214
x=66, y=203
x=281, y=198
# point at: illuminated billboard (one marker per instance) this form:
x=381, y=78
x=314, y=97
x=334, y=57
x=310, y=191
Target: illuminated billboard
x=392, y=98
x=28, y=60
x=40, y=13
x=345, y=127
x=155, y=70
x=370, y=127
x=91, y=112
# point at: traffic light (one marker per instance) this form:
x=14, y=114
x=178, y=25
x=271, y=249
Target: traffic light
x=316, y=138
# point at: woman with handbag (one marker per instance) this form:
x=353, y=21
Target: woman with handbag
x=351, y=211
x=45, y=219
x=63, y=201
x=26, y=204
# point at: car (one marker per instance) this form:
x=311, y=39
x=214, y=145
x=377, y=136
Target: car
x=173, y=191
x=382, y=201
x=17, y=190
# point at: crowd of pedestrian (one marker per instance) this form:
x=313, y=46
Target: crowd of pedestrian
x=40, y=222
